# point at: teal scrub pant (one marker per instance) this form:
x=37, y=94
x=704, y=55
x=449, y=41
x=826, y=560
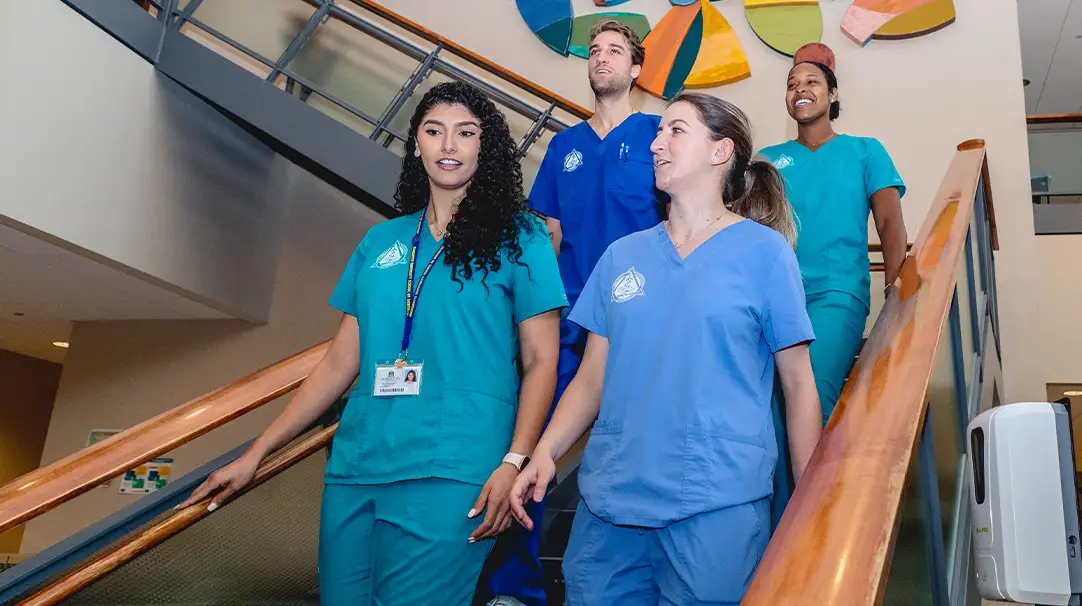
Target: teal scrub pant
x=838, y=320
x=705, y=560
x=402, y=543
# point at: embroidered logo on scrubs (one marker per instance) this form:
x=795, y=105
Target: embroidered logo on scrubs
x=572, y=161
x=628, y=285
x=395, y=255
x=783, y=161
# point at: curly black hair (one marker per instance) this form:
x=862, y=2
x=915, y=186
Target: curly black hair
x=494, y=211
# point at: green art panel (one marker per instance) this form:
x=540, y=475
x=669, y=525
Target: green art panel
x=580, y=30
x=786, y=28
x=685, y=58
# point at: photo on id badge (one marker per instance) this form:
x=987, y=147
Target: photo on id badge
x=397, y=380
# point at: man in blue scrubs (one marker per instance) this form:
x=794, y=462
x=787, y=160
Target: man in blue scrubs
x=595, y=186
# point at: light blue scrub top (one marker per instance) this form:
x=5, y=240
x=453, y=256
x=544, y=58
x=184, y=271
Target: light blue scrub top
x=599, y=189
x=685, y=426
x=461, y=425
x=831, y=190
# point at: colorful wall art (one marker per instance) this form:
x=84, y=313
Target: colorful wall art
x=694, y=46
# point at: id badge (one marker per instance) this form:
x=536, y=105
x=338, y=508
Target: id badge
x=398, y=380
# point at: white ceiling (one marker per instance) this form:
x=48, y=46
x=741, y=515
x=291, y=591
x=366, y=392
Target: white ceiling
x=1051, y=32
x=44, y=288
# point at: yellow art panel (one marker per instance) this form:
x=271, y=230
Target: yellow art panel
x=759, y=3
x=721, y=58
x=921, y=20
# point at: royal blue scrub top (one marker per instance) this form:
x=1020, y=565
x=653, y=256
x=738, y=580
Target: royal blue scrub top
x=684, y=426
x=831, y=191
x=460, y=426
x=599, y=189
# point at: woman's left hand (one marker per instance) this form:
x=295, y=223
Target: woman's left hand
x=495, y=501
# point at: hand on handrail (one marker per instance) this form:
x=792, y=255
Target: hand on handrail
x=228, y=480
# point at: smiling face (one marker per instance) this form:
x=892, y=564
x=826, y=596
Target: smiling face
x=449, y=143
x=685, y=153
x=807, y=94
x=610, y=64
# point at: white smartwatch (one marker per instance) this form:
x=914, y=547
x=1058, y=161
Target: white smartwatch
x=519, y=461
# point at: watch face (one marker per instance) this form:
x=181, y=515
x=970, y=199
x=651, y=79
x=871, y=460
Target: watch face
x=525, y=462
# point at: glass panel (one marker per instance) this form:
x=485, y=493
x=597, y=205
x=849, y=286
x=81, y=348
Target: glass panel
x=945, y=418
x=531, y=162
x=354, y=67
x=265, y=26
x=259, y=549
x=879, y=280
x=910, y=579
x=337, y=112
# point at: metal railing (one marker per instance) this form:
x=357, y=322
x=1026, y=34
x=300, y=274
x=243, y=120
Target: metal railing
x=432, y=59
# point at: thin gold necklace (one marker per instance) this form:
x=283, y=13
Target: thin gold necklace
x=668, y=226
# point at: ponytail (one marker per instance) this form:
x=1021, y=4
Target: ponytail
x=757, y=192
x=752, y=188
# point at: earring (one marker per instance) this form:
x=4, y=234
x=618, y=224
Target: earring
x=416, y=153
x=714, y=158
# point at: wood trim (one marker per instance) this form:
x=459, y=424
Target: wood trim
x=1054, y=119
x=138, y=544
x=836, y=539
x=47, y=487
x=876, y=247
x=354, y=7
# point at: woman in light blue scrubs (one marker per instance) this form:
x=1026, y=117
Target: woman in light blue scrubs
x=687, y=321
x=436, y=306
x=833, y=182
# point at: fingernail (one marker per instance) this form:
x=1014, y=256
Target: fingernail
x=212, y=507
x=176, y=507
x=473, y=540
x=472, y=513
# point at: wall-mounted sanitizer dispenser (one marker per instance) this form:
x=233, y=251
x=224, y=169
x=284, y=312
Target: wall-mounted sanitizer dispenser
x=1024, y=505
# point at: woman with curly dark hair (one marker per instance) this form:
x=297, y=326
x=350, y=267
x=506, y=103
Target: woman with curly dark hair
x=438, y=424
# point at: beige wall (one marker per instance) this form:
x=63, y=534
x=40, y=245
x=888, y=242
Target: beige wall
x=27, y=389
x=120, y=373
x=921, y=97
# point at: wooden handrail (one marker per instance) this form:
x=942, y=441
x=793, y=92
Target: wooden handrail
x=47, y=487
x=473, y=58
x=836, y=539
x=1054, y=119
x=139, y=543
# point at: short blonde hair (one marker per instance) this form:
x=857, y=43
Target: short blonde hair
x=638, y=52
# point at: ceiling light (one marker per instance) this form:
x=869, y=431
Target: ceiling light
x=1072, y=393
x=65, y=345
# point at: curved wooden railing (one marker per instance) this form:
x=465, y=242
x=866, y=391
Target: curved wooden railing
x=47, y=487
x=835, y=542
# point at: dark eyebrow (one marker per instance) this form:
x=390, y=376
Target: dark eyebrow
x=674, y=121
x=616, y=44
x=462, y=123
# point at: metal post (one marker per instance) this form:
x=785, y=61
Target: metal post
x=300, y=39
x=974, y=321
x=405, y=93
x=933, y=520
x=959, y=367
x=164, y=15
x=534, y=132
x=188, y=11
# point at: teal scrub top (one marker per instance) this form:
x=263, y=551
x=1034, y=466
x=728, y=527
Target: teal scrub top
x=460, y=426
x=831, y=192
